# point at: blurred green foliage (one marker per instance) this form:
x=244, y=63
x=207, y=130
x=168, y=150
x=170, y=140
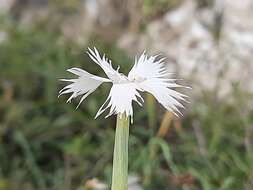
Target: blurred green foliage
x=153, y=8
x=47, y=144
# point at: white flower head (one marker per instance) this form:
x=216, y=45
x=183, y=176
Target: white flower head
x=148, y=74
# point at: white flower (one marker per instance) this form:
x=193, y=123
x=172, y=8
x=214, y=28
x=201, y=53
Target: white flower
x=148, y=74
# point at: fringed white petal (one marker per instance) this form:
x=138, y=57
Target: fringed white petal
x=85, y=84
x=148, y=67
x=161, y=90
x=105, y=64
x=150, y=74
x=120, y=99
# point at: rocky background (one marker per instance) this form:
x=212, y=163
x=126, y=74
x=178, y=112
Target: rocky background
x=210, y=42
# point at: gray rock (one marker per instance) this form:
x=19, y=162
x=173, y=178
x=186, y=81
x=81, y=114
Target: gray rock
x=210, y=46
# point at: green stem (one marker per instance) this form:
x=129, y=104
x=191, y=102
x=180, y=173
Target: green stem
x=151, y=112
x=120, y=156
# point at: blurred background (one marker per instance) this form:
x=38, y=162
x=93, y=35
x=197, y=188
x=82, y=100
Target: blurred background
x=47, y=144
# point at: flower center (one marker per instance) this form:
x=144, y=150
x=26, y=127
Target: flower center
x=136, y=78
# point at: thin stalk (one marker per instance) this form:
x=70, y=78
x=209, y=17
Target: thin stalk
x=151, y=112
x=120, y=155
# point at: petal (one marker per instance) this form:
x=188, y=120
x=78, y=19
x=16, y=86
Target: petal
x=120, y=99
x=153, y=77
x=148, y=67
x=105, y=64
x=85, y=84
x=161, y=90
